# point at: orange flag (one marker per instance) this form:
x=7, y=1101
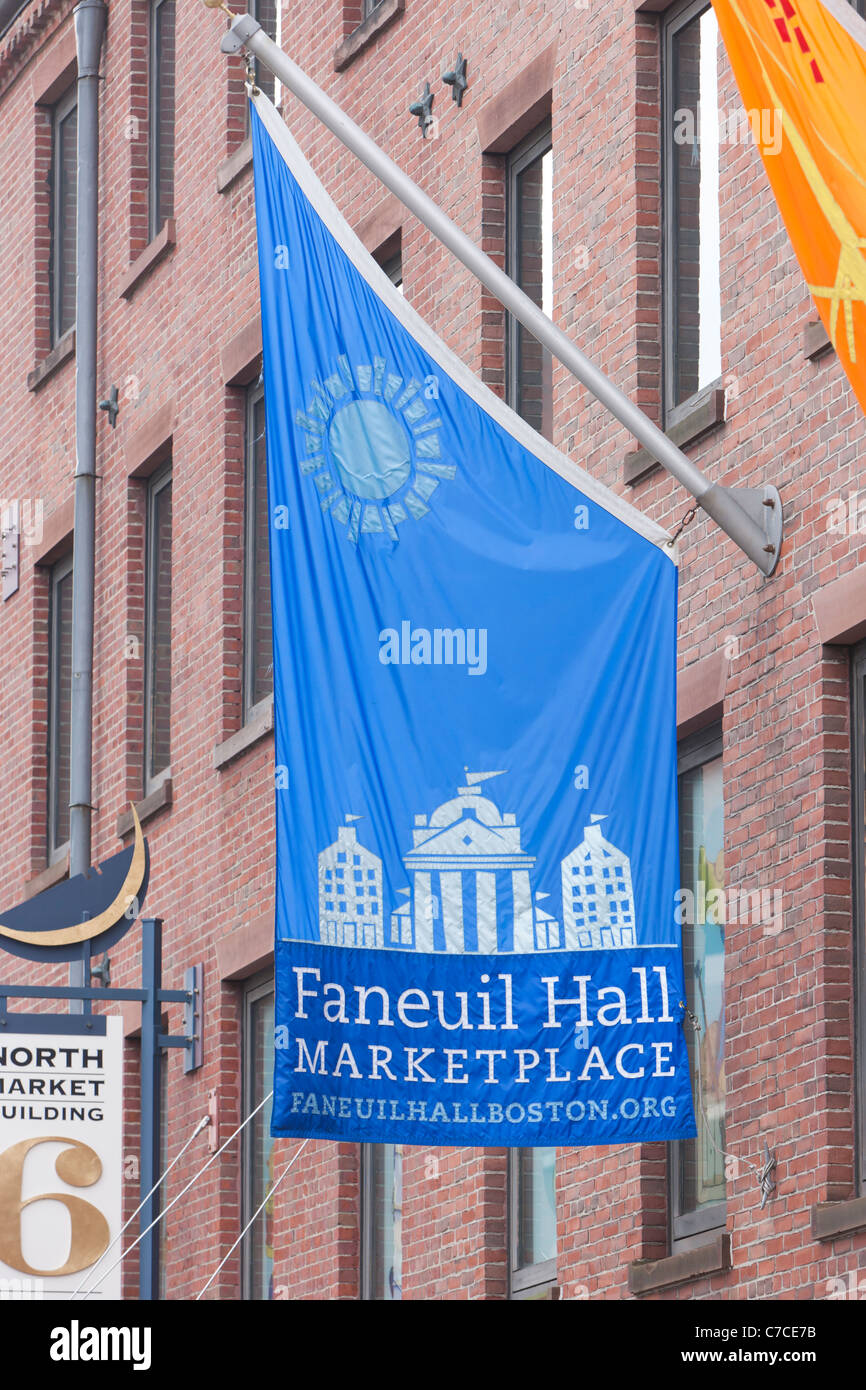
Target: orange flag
x=803, y=63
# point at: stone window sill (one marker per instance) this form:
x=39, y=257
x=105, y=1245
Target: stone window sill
x=247, y=949
x=712, y=1257
x=152, y=254
x=60, y=353
x=258, y=727
x=706, y=414
x=370, y=29
x=236, y=164
x=47, y=878
x=831, y=1219
x=156, y=801
x=816, y=340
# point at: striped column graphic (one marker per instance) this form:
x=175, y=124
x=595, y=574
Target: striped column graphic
x=423, y=897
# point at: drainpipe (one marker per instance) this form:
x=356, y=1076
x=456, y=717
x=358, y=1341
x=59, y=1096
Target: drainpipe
x=89, y=18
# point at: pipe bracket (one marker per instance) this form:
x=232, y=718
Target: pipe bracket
x=234, y=38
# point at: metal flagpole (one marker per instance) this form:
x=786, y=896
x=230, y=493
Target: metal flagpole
x=752, y=517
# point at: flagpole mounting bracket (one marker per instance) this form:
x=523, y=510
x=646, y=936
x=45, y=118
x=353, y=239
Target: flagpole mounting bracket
x=234, y=38
x=747, y=512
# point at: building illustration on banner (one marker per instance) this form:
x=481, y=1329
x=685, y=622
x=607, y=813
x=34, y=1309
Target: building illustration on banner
x=471, y=887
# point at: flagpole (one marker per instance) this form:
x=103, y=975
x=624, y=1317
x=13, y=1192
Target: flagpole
x=752, y=517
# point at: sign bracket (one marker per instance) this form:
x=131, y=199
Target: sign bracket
x=152, y=997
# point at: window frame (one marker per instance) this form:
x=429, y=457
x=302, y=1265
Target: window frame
x=368, y=1224
x=60, y=570
x=155, y=222
x=155, y=484
x=253, y=394
x=535, y=145
x=258, y=987
x=265, y=79
x=858, y=895
x=686, y=1229
x=60, y=112
x=672, y=21
x=524, y=1281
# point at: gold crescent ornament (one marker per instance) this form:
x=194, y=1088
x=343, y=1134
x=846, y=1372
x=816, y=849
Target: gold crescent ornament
x=85, y=931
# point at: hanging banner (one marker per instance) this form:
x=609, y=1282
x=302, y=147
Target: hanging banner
x=61, y=1157
x=801, y=71
x=474, y=673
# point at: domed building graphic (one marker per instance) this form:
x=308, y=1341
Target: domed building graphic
x=470, y=878
x=470, y=887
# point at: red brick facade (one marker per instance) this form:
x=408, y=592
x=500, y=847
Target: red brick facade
x=178, y=336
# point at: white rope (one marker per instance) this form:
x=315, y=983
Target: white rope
x=193, y=1180
x=202, y=1124
x=268, y=1195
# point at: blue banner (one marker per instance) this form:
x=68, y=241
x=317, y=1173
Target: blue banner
x=474, y=673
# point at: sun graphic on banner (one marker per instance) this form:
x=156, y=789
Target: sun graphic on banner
x=372, y=447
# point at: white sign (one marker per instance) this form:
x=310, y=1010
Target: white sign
x=61, y=1112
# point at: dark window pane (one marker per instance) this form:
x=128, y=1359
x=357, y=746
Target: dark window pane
x=64, y=203
x=259, y=1243
x=60, y=707
x=536, y=1206
x=393, y=268
x=383, y=1220
x=162, y=107
x=530, y=241
x=701, y=1163
x=159, y=631
x=265, y=11
x=258, y=639
x=692, y=221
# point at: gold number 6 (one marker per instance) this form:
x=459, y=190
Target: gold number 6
x=79, y=1166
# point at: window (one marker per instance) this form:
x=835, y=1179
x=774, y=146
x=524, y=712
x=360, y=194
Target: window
x=64, y=201
x=698, y=1165
x=268, y=15
x=858, y=820
x=532, y=1222
x=258, y=644
x=157, y=694
x=393, y=268
x=381, y=1221
x=389, y=257
x=529, y=261
x=257, y=1262
x=161, y=104
x=690, y=123
x=59, y=707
